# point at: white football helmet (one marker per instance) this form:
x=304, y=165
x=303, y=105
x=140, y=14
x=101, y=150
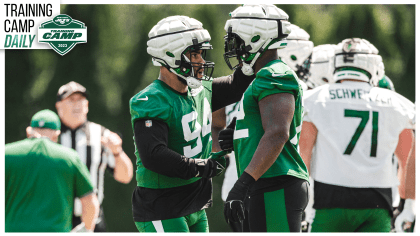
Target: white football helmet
x=297, y=54
x=253, y=29
x=171, y=38
x=358, y=59
x=322, y=65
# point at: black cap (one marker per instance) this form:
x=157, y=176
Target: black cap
x=70, y=88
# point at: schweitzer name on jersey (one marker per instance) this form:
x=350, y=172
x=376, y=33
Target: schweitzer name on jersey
x=345, y=93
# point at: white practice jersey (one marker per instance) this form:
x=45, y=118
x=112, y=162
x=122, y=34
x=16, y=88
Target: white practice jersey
x=358, y=131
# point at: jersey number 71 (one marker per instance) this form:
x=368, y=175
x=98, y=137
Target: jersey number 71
x=364, y=115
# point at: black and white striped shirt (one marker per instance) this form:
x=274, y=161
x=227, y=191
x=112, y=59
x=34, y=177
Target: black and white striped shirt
x=86, y=140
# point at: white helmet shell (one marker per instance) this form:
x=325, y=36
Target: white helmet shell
x=322, y=65
x=361, y=54
x=298, y=48
x=261, y=20
x=171, y=36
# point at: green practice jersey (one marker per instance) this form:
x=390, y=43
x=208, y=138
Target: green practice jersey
x=188, y=117
x=275, y=77
x=42, y=179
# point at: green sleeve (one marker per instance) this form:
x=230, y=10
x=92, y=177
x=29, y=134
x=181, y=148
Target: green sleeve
x=82, y=184
x=156, y=107
x=265, y=84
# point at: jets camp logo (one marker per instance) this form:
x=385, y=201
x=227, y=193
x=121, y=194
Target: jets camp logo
x=62, y=33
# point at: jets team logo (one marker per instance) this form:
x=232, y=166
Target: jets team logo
x=62, y=33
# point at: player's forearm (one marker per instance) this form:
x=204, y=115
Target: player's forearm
x=90, y=211
x=307, y=142
x=269, y=148
x=151, y=142
x=229, y=89
x=218, y=124
x=123, y=171
x=402, y=170
x=410, y=179
x=214, y=135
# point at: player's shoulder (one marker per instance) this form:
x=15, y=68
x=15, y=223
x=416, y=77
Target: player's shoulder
x=157, y=94
x=277, y=70
x=277, y=75
x=393, y=98
x=155, y=101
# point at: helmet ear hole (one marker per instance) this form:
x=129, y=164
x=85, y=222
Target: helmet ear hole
x=293, y=57
x=325, y=79
x=255, y=39
x=170, y=54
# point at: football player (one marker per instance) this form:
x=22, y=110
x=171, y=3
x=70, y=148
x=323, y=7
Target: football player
x=171, y=120
x=355, y=128
x=272, y=176
x=397, y=202
x=320, y=73
x=297, y=54
x=322, y=66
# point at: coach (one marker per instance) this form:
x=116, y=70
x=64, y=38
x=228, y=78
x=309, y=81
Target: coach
x=43, y=178
x=98, y=147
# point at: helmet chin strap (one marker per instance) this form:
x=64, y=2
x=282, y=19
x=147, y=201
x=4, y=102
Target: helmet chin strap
x=247, y=68
x=192, y=82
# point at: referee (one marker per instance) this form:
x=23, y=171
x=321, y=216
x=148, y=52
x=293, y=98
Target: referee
x=42, y=178
x=99, y=148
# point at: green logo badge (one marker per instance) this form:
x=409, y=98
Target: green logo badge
x=62, y=33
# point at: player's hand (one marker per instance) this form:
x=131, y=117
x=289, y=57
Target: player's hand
x=211, y=167
x=234, y=209
x=80, y=228
x=220, y=159
x=407, y=215
x=226, y=136
x=113, y=142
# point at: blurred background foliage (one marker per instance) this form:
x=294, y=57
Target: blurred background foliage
x=114, y=65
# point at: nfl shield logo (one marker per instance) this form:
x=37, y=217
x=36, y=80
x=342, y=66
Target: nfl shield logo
x=148, y=123
x=41, y=123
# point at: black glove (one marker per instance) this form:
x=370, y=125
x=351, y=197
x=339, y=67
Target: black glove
x=397, y=212
x=211, y=167
x=234, y=205
x=226, y=136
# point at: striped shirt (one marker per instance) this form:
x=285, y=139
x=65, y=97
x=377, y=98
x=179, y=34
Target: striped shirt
x=86, y=140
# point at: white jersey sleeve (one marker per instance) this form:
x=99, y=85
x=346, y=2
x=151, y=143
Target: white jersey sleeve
x=358, y=131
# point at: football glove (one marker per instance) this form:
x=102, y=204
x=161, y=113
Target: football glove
x=407, y=215
x=226, y=136
x=234, y=209
x=213, y=166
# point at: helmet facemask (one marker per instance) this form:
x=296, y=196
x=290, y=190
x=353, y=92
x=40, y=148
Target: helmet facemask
x=303, y=71
x=191, y=69
x=235, y=48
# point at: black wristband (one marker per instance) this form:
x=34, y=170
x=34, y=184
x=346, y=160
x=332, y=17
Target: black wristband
x=401, y=205
x=247, y=179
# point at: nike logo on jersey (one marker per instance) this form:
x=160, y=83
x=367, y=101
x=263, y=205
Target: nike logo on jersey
x=143, y=99
x=277, y=75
